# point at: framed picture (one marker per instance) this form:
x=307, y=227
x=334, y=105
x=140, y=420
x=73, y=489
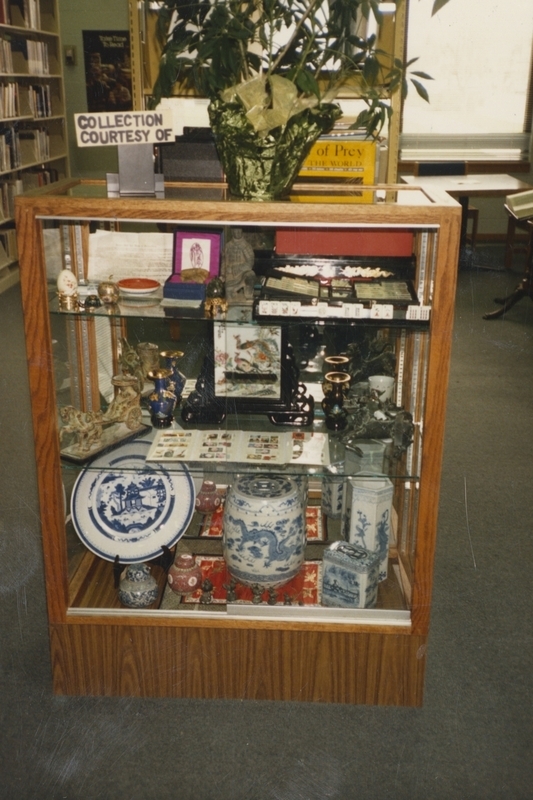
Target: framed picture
x=197, y=255
x=107, y=56
x=250, y=366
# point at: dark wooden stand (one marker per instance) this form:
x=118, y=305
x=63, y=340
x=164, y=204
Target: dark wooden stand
x=525, y=287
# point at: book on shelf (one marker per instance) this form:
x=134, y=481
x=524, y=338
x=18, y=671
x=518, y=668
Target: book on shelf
x=39, y=100
x=22, y=13
x=30, y=57
x=9, y=189
x=8, y=242
x=35, y=178
x=9, y=148
x=6, y=58
x=521, y=204
x=9, y=100
x=4, y=259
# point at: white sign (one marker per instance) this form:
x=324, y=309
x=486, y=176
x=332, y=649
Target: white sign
x=127, y=127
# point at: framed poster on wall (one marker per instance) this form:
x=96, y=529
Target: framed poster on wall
x=107, y=56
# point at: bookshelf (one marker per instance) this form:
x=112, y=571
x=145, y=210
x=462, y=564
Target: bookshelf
x=33, y=141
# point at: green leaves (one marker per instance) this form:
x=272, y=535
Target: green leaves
x=437, y=5
x=421, y=89
x=214, y=45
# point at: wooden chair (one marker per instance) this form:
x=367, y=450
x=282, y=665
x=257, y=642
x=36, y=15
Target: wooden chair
x=429, y=168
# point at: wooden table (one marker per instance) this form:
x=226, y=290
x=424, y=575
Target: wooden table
x=462, y=187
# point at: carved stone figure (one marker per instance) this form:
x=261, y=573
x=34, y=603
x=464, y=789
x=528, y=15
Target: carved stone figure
x=85, y=425
x=237, y=269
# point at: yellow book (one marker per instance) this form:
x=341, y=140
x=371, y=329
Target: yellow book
x=341, y=157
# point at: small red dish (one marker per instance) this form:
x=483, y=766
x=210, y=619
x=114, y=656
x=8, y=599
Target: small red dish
x=138, y=285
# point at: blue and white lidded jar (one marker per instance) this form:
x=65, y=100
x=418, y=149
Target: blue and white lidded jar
x=264, y=530
x=137, y=588
x=367, y=516
x=349, y=576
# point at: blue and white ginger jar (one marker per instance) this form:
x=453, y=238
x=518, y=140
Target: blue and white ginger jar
x=137, y=588
x=264, y=530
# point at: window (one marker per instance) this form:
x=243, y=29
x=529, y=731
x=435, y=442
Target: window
x=479, y=54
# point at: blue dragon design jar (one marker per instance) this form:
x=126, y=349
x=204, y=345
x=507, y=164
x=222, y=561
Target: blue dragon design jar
x=264, y=530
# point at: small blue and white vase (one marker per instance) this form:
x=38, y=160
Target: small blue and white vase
x=367, y=516
x=138, y=588
x=162, y=401
x=177, y=380
x=264, y=530
x=332, y=495
x=349, y=576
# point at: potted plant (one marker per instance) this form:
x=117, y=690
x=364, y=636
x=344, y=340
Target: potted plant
x=271, y=70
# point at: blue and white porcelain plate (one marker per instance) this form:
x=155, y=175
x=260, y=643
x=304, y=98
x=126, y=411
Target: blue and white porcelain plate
x=122, y=506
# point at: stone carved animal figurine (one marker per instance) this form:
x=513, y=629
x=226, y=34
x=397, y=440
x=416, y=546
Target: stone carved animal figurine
x=130, y=362
x=87, y=426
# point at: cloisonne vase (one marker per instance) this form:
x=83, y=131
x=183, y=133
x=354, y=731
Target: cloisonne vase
x=333, y=402
x=264, y=530
x=177, y=380
x=161, y=401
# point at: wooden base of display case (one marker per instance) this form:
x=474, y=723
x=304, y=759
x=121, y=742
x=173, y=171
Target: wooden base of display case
x=201, y=661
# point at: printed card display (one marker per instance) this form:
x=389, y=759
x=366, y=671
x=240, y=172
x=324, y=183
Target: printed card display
x=243, y=446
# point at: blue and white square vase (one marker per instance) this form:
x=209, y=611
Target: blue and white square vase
x=349, y=576
x=367, y=516
x=332, y=494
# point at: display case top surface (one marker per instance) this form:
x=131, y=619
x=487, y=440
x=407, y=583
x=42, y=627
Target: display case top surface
x=309, y=204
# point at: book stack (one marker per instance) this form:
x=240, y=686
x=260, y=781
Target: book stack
x=33, y=179
x=39, y=100
x=30, y=56
x=6, y=59
x=9, y=148
x=9, y=100
x=5, y=18
x=34, y=145
x=21, y=13
x=37, y=57
x=8, y=191
x=8, y=246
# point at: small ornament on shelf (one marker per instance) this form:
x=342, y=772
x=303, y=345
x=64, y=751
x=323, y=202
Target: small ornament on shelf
x=231, y=591
x=185, y=575
x=333, y=402
x=207, y=592
x=148, y=353
x=335, y=364
x=208, y=499
x=177, y=380
x=67, y=290
x=108, y=292
x=137, y=588
x=161, y=401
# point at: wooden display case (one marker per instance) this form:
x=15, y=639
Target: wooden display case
x=243, y=650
